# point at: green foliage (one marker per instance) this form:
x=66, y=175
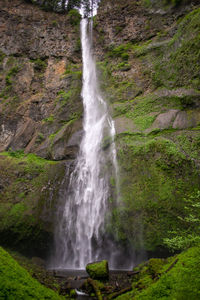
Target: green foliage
x=16, y=154
x=120, y=51
x=39, y=64
x=12, y=72
x=95, y=23
x=172, y=278
x=123, y=66
x=74, y=17
x=177, y=63
x=140, y=109
x=117, y=89
x=36, y=270
x=64, y=97
x=190, y=143
x=189, y=233
x=16, y=283
x=141, y=49
x=50, y=119
x=124, y=56
x=181, y=282
x=73, y=69
x=22, y=201
x=152, y=187
x=29, y=158
x=144, y=122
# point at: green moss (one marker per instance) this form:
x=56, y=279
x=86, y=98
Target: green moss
x=181, y=282
x=144, y=122
x=74, y=69
x=95, y=23
x=50, y=119
x=16, y=283
x=98, y=270
x=72, y=294
x=119, y=51
x=23, y=200
x=152, y=187
x=155, y=266
x=122, y=66
x=29, y=159
x=12, y=72
x=16, y=154
x=190, y=143
x=176, y=63
x=141, y=49
x=144, y=109
x=117, y=89
x=64, y=97
x=172, y=278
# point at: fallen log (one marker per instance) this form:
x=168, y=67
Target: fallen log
x=95, y=288
x=116, y=294
x=171, y=266
x=132, y=273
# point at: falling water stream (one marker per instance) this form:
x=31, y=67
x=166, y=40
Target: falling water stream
x=80, y=234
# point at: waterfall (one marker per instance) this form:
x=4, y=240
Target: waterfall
x=80, y=234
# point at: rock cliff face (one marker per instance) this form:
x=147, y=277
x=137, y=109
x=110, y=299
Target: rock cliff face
x=40, y=112
x=40, y=81
x=148, y=57
x=148, y=60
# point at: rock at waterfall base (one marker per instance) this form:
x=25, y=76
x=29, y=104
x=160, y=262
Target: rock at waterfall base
x=98, y=270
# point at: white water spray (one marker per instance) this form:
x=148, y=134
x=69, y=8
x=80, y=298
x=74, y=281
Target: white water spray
x=79, y=238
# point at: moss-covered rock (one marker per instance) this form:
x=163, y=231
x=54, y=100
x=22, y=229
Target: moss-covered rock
x=152, y=188
x=98, y=270
x=28, y=193
x=175, y=62
x=16, y=283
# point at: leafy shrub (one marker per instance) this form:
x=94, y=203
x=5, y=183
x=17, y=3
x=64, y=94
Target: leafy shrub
x=74, y=17
x=39, y=64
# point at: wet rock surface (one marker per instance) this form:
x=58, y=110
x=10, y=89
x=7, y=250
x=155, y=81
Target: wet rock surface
x=37, y=93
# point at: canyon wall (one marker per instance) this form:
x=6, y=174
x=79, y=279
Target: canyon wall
x=148, y=61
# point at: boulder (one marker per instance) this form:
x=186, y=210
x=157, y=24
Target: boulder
x=165, y=120
x=98, y=270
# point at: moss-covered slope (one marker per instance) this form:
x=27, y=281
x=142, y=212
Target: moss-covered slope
x=173, y=278
x=16, y=283
x=28, y=194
